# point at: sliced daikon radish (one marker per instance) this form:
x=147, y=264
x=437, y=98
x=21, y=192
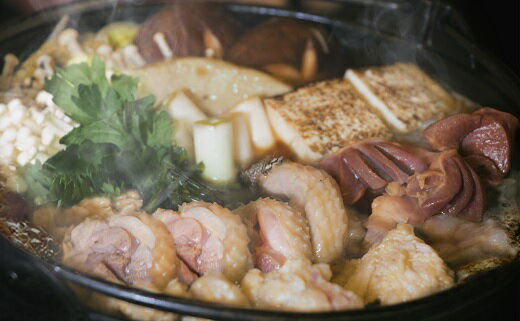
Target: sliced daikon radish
x=261, y=133
x=180, y=106
x=243, y=147
x=184, y=112
x=213, y=140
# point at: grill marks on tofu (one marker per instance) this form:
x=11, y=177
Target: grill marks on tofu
x=402, y=94
x=321, y=118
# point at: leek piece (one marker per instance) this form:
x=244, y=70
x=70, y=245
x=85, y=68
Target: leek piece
x=213, y=140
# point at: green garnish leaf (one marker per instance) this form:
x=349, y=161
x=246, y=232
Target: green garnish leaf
x=121, y=143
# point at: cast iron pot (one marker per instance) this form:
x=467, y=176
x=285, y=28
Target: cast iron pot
x=375, y=32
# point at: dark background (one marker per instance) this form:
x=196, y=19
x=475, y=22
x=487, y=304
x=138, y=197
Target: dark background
x=496, y=27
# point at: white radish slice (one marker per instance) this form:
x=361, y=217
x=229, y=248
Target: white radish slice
x=261, y=133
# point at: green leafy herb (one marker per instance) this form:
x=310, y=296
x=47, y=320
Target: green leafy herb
x=121, y=143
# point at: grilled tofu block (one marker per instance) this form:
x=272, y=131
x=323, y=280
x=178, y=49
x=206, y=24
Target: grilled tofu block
x=321, y=118
x=402, y=94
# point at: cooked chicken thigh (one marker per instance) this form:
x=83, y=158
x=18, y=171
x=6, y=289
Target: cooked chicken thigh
x=317, y=194
x=277, y=232
x=130, y=248
x=209, y=238
x=400, y=268
x=298, y=286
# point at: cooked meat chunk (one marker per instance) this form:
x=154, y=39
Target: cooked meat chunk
x=485, y=138
x=403, y=94
x=317, y=194
x=214, y=287
x=319, y=119
x=58, y=222
x=387, y=212
x=369, y=165
x=209, y=238
x=277, y=232
x=400, y=268
x=298, y=286
x=449, y=186
x=129, y=248
x=460, y=241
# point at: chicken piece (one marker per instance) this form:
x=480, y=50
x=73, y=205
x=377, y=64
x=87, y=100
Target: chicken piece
x=485, y=138
x=58, y=222
x=277, y=232
x=214, y=287
x=321, y=118
x=317, y=194
x=403, y=94
x=209, y=238
x=129, y=248
x=387, y=212
x=400, y=268
x=298, y=286
x=461, y=242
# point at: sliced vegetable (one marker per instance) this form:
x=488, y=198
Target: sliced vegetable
x=261, y=132
x=213, y=139
x=184, y=112
x=242, y=140
x=181, y=106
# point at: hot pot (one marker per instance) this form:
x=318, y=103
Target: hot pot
x=429, y=33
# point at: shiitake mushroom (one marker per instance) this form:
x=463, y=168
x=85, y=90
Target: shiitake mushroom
x=294, y=50
x=187, y=29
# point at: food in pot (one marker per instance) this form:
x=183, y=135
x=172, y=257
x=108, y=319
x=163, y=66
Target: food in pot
x=209, y=238
x=193, y=29
x=319, y=119
x=316, y=194
x=293, y=50
x=402, y=94
x=217, y=86
x=277, y=231
x=298, y=286
x=400, y=268
x=215, y=181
